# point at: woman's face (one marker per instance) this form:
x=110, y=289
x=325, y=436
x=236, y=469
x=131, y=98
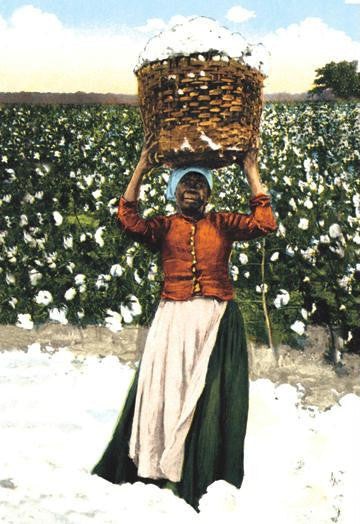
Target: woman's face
x=192, y=193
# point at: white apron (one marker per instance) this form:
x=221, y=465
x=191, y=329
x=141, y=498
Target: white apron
x=171, y=380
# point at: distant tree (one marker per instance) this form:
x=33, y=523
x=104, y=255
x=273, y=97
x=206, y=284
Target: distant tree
x=341, y=77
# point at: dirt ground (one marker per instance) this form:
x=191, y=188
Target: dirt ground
x=323, y=385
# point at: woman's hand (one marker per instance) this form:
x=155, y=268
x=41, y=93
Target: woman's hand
x=251, y=169
x=148, y=157
x=144, y=164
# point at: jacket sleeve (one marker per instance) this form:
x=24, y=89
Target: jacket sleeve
x=258, y=223
x=148, y=231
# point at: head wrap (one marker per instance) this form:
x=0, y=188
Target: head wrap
x=177, y=174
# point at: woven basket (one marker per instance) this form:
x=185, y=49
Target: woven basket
x=201, y=110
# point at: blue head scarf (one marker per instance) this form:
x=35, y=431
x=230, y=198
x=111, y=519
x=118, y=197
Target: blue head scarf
x=177, y=174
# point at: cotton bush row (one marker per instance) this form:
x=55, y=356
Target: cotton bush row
x=63, y=258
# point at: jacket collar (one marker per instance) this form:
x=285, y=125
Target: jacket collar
x=190, y=219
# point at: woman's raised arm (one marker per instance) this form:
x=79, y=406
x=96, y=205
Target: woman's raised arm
x=144, y=165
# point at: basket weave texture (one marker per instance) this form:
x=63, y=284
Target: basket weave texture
x=200, y=111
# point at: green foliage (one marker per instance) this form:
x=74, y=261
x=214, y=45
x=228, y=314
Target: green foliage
x=63, y=169
x=341, y=77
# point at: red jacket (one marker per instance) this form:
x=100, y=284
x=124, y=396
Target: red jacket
x=195, y=253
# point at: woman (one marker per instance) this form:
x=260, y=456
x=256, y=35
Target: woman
x=184, y=421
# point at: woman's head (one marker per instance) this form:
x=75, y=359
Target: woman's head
x=192, y=192
x=190, y=187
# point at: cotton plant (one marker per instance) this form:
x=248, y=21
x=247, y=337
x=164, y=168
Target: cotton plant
x=308, y=158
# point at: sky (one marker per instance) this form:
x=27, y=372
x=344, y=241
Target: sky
x=92, y=46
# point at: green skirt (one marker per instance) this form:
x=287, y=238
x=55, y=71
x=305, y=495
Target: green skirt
x=214, y=446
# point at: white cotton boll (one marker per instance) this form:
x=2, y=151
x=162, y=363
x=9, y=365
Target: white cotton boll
x=247, y=274
x=58, y=315
x=135, y=305
x=170, y=209
x=304, y=313
x=98, y=236
x=102, y=281
x=137, y=277
x=25, y=321
x=39, y=195
x=12, y=302
x=126, y=314
x=96, y=194
x=129, y=260
x=344, y=282
x=338, y=250
x=287, y=180
x=306, y=279
x=324, y=239
x=28, y=239
x=70, y=267
x=235, y=272
x=29, y=199
x=290, y=251
x=335, y=231
x=243, y=258
x=307, y=165
x=68, y=242
x=134, y=309
x=262, y=288
x=298, y=327
x=274, y=256
x=58, y=218
x=113, y=321
x=282, y=298
x=152, y=273
x=281, y=230
x=303, y=224
x=3, y=235
x=80, y=314
x=89, y=179
x=23, y=220
x=292, y=203
x=116, y=270
x=10, y=279
x=34, y=276
x=308, y=204
x=147, y=212
x=70, y=293
x=356, y=238
x=79, y=279
x=43, y=297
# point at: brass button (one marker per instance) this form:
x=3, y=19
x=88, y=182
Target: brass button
x=197, y=287
x=194, y=269
x=193, y=251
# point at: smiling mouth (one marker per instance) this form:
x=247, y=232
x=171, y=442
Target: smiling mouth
x=188, y=196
